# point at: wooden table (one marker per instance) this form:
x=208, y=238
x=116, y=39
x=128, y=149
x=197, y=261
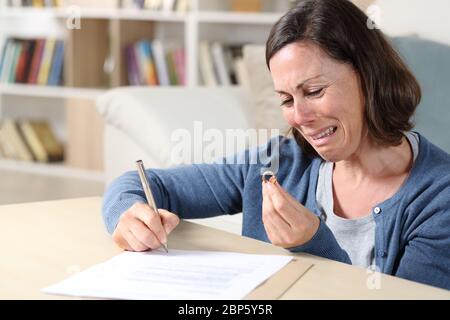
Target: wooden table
x=45, y=242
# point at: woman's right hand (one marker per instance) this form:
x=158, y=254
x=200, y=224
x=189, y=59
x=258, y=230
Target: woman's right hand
x=140, y=228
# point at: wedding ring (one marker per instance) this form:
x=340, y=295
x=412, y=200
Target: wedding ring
x=269, y=176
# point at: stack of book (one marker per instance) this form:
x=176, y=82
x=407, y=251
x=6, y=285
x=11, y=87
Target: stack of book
x=222, y=65
x=29, y=140
x=246, y=5
x=158, y=5
x=35, y=3
x=37, y=61
x=149, y=63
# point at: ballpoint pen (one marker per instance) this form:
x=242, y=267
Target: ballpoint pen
x=148, y=192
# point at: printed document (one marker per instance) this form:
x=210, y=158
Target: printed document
x=179, y=274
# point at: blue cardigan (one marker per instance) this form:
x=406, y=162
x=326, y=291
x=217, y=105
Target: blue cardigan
x=412, y=233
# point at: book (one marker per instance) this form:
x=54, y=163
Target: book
x=206, y=64
x=180, y=65
x=219, y=64
x=49, y=3
x=57, y=64
x=98, y=4
x=3, y=56
x=46, y=62
x=242, y=76
x=132, y=66
x=36, y=61
x=146, y=63
x=18, y=143
x=23, y=64
x=38, y=3
x=161, y=63
x=15, y=59
x=230, y=65
x=182, y=6
x=42, y=140
x=29, y=59
x=246, y=5
x=168, y=5
x=6, y=59
x=36, y=147
x=8, y=149
x=172, y=68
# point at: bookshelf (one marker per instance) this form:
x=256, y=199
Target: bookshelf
x=94, y=61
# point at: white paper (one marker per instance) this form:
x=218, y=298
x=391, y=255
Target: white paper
x=179, y=274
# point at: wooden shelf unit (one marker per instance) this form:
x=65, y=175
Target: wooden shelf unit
x=95, y=62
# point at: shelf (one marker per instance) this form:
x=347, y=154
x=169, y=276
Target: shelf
x=51, y=169
x=50, y=92
x=125, y=14
x=238, y=18
x=147, y=15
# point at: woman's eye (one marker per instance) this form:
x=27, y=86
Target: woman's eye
x=285, y=102
x=315, y=93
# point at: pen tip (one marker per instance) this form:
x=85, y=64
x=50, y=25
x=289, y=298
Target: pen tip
x=165, y=247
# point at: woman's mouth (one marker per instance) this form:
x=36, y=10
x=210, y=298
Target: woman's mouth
x=324, y=136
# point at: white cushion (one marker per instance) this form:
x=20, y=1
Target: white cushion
x=266, y=103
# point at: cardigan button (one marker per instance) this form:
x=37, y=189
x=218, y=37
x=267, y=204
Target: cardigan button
x=381, y=253
x=377, y=210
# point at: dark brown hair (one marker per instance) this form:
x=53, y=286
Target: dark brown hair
x=341, y=30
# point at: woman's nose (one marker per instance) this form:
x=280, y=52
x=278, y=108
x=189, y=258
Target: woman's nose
x=302, y=114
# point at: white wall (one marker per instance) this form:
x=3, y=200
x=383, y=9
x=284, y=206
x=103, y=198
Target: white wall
x=426, y=18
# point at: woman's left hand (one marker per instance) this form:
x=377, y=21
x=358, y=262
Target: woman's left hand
x=287, y=222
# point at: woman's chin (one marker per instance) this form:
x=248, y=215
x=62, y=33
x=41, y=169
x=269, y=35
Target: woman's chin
x=329, y=155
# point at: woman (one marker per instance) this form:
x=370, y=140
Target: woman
x=354, y=185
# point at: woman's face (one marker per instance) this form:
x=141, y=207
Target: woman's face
x=321, y=98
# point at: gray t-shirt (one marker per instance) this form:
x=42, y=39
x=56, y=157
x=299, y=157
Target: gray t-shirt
x=355, y=236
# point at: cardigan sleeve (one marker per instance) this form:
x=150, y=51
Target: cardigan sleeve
x=324, y=244
x=193, y=191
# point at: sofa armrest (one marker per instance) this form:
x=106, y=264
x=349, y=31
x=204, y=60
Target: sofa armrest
x=154, y=117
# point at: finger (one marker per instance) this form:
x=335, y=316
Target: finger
x=169, y=220
x=286, y=209
x=270, y=230
x=280, y=225
x=134, y=243
x=273, y=229
x=268, y=205
x=153, y=221
x=144, y=235
x=287, y=195
x=119, y=239
x=276, y=228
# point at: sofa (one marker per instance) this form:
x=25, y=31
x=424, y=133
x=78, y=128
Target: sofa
x=140, y=121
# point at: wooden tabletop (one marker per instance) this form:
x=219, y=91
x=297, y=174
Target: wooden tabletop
x=45, y=242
